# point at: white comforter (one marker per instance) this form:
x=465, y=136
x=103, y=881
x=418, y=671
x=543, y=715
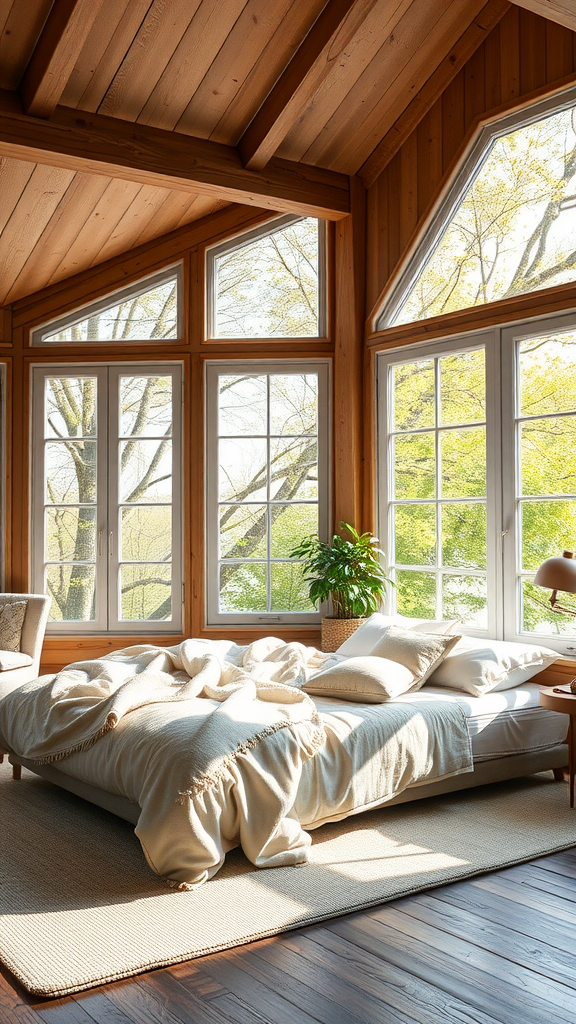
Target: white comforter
x=219, y=746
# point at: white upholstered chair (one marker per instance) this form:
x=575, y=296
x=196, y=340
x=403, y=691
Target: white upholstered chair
x=31, y=639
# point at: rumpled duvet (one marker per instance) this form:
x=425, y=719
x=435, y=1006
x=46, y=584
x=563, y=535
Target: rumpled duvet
x=212, y=741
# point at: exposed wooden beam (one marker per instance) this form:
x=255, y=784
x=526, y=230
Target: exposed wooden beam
x=310, y=65
x=82, y=141
x=6, y=324
x=563, y=12
x=55, y=55
x=467, y=44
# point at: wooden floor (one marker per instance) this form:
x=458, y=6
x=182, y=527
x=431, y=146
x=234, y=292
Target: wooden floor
x=498, y=948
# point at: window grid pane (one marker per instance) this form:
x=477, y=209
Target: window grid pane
x=264, y=510
x=437, y=511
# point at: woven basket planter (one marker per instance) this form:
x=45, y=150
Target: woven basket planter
x=336, y=631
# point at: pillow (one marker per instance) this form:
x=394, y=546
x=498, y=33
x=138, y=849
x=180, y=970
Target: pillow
x=480, y=666
x=11, y=621
x=367, y=680
x=13, y=659
x=370, y=632
x=419, y=652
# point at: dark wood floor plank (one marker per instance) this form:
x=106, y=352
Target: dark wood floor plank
x=555, y=906
x=547, y=881
x=402, y=996
x=101, y=1009
x=530, y=988
x=62, y=1011
x=500, y=940
x=452, y=972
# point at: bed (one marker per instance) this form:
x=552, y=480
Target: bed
x=371, y=753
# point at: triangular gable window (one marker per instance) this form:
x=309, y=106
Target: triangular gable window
x=145, y=311
x=508, y=224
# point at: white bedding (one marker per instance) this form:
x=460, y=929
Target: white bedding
x=157, y=738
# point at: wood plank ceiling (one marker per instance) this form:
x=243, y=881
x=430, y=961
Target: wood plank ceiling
x=290, y=95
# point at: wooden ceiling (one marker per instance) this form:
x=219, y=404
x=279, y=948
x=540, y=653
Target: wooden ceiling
x=121, y=120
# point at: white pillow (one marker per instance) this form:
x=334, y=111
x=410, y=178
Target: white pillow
x=13, y=659
x=420, y=652
x=370, y=632
x=480, y=666
x=367, y=680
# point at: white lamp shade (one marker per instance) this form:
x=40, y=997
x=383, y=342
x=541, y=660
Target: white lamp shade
x=558, y=573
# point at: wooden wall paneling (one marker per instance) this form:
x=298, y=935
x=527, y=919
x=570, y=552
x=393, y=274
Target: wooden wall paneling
x=475, y=86
x=429, y=154
x=6, y=325
x=135, y=216
x=409, y=188
x=532, y=52
x=561, y=11
x=196, y=562
x=19, y=30
x=197, y=298
x=376, y=243
x=492, y=77
x=6, y=461
x=510, y=54
x=80, y=289
x=452, y=119
x=394, y=189
x=66, y=29
x=14, y=176
x=348, y=355
x=559, y=51
x=18, y=578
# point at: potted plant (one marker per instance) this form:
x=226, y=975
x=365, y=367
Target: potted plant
x=347, y=571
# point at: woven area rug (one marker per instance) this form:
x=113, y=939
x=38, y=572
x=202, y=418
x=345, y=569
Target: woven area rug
x=80, y=907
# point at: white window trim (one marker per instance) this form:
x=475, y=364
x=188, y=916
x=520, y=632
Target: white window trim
x=270, y=227
x=214, y=369
x=416, y=353
x=132, y=291
x=107, y=604
x=430, y=233
x=502, y=468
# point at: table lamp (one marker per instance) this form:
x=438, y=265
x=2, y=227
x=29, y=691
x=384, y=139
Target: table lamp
x=558, y=574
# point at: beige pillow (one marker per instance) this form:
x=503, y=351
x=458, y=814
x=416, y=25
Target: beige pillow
x=11, y=621
x=14, y=659
x=419, y=652
x=366, y=680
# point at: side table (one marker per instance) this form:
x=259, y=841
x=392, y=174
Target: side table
x=565, y=703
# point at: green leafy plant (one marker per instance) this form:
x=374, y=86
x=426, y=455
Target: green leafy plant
x=348, y=571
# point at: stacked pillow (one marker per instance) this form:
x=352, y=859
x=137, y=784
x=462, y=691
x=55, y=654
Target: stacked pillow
x=388, y=656
x=400, y=660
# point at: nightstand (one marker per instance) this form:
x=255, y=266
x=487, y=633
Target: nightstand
x=565, y=703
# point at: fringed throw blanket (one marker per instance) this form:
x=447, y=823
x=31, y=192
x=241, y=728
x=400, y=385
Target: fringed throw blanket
x=219, y=746
x=188, y=725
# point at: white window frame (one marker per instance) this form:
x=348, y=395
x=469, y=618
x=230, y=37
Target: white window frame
x=214, y=369
x=132, y=291
x=430, y=233
x=107, y=598
x=503, y=535
x=270, y=227
x=417, y=353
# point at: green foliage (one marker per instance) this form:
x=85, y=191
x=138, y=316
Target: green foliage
x=347, y=571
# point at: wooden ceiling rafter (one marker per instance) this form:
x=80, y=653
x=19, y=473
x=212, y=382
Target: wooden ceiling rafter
x=439, y=80
x=81, y=141
x=563, y=12
x=55, y=54
x=295, y=89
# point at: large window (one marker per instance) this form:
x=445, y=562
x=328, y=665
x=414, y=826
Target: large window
x=146, y=311
x=508, y=224
x=269, y=282
x=106, y=496
x=477, y=480
x=267, y=429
